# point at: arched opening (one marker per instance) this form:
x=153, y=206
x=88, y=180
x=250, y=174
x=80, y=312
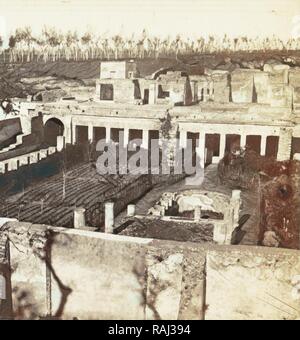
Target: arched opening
x=53, y=128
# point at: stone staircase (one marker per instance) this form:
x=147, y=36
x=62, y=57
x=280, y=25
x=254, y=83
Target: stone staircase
x=18, y=142
x=26, y=113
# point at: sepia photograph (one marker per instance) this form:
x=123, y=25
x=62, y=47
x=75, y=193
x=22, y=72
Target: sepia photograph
x=149, y=162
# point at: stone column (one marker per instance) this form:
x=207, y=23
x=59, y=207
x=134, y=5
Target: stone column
x=222, y=145
x=79, y=218
x=285, y=144
x=220, y=232
x=107, y=134
x=197, y=214
x=24, y=159
x=183, y=139
x=12, y=164
x=91, y=133
x=126, y=137
x=2, y=168
x=73, y=134
x=60, y=143
x=236, y=205
x=152, y=94
x=263, y=145
x=145, y=144
x=243, y=141
x=33, y=157
x=2, y=288
x=109, y=217
x=200, y=150
x=131, y=210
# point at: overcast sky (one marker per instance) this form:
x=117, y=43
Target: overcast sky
x=159, y=17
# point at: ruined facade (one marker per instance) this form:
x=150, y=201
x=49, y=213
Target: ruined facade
x=220, y=112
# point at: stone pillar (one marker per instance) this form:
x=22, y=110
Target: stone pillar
x=243, y=141
x=183, y=139
x=107, y=134
x=200, y=150
x=60, y=143
x=33, y=157
x=2, y=287
x=236, y=205
x=91, y=133
x=211, y=90
x=162, y=211
x=285, y=145
x=152, y=94
x=263, y=145
x=131, y=210
x=79, y=218
x=197, y=214
x=2, y=168
x=219, y=233
x=145, y=144
x=126, y=137
x=73, y=134
x=43, y=154
x=222, y=145
x=296, y=157
x=12, y=164
x=109, y=217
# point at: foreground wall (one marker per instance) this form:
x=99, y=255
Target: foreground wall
x=80, y=274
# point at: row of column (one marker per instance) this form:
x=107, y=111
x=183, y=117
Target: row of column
x=145, y=135
x=200, y=150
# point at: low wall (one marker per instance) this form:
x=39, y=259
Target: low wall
x=15, y=163
x=80, y=274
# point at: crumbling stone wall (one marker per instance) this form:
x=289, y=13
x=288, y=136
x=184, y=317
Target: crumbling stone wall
x=278, y=184
x=280, y=213
x=76, y=274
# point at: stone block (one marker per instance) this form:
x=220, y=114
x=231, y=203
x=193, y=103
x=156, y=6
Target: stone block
x=221, y=89
x=2, y=168
x=296, y=157
x=220, y=232
x=107, y=281
x=296, y=98
x=248, y=285
x=294, y=78
x=12, y=164
x=221, y=94
x=280, y=95
x=33, y=157
x=43, y=153
x=164, y=287
x=23, y=160
x=51, y=150
x=242, y=85
x=261, y=83
x=278, y=73
x=192, y=304
x=279, y=77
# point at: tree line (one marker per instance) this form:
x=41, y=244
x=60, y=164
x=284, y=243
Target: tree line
x=53, y=45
